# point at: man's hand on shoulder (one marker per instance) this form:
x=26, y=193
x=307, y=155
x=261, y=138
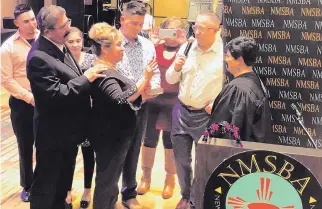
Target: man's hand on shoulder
x=95, y=72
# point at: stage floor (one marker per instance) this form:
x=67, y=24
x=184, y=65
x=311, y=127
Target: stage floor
x=10, y=188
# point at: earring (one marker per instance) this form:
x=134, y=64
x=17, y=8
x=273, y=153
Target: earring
x=105, y=56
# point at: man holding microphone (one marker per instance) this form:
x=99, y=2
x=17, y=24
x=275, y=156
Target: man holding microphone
x=199, y=70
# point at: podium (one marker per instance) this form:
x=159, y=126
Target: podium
x=292, y=164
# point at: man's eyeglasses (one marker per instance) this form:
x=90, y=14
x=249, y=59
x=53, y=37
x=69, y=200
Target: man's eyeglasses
x=136, y=23
x=201, y=29
x=68, y=23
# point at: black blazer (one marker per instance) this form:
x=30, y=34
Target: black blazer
x=61, y=95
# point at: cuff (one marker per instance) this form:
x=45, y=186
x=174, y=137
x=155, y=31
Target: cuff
x=28, y=97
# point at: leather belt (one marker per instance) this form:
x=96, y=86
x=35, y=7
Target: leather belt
x=190, y=107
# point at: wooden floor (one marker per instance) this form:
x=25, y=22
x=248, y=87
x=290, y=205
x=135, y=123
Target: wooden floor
x=10, y=188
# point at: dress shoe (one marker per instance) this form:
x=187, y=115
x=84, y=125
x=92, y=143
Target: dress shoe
x=183, y=204
x=132, y=204
x=25, y=196
x=84, y=204
x=68, y=205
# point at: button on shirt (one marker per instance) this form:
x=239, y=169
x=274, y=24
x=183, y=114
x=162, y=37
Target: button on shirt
x=136, y=58
x=201, y=77
x=14, y=52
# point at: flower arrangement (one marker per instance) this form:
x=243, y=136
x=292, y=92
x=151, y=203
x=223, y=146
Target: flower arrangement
x=223, y=130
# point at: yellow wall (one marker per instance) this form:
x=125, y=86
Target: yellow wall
x=7, y=7
x=168, y=8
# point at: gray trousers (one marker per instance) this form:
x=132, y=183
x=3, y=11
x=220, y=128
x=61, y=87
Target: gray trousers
x=187, y=127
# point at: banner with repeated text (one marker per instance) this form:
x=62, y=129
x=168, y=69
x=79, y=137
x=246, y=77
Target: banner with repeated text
x=289, y=37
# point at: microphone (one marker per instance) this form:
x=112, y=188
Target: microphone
x=297, y=111
x=301, y=122
x=190, y=41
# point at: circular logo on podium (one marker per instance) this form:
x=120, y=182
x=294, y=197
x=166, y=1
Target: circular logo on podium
x=262, y=180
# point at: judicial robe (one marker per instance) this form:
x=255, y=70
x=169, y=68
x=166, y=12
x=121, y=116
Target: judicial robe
x=243, y=102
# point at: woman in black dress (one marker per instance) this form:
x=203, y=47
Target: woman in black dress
x=115, y=102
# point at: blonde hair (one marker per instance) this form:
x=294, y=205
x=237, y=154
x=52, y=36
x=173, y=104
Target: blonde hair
x=103, y=33
x=178, y=22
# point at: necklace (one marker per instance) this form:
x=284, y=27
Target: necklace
x=170, y=48
x=108, y=64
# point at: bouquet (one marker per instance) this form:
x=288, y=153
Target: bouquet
x=222, y=130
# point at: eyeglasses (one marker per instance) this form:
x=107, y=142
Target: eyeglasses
x=136, y=23
x=201, y=29
x=68, y=23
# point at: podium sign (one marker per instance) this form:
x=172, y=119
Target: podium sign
x=258, y=176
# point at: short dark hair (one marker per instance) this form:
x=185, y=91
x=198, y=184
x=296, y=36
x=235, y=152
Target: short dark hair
x=21, y=8
x=243, y=47
x=134, y=8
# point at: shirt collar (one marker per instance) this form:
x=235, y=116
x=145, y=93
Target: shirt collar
x=126, y=41
x=59, y=46
x=215, y=47
x=17, y=35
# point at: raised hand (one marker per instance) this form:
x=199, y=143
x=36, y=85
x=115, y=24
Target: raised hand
x=179, y=62
x=149, y=70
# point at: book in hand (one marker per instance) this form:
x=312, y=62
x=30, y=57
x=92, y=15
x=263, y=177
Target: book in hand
x=156, y=91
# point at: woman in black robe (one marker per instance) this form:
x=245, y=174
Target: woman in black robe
x=243, y=102
x=113, y=120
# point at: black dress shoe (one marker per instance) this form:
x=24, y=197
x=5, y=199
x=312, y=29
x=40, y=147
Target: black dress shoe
x=84, y=204
x=68, y=205
x=25, y=196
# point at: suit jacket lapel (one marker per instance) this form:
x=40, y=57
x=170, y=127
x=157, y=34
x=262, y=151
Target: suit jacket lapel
x=72, y=62
x=52, y=50
x=69, y=62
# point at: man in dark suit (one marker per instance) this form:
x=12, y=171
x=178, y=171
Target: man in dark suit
x=62, y=105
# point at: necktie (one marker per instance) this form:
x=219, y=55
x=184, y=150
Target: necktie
x=64, y=50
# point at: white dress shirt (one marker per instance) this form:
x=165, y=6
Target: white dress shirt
x=201, y=77
x=59, y=46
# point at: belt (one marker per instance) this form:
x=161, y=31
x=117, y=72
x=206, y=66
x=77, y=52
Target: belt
x=190, y=107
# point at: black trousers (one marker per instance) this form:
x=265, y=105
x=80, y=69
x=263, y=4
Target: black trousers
x=110, y=159
x=89, y=164
x=51, y=180
x=129, y=182
x=22, y=123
